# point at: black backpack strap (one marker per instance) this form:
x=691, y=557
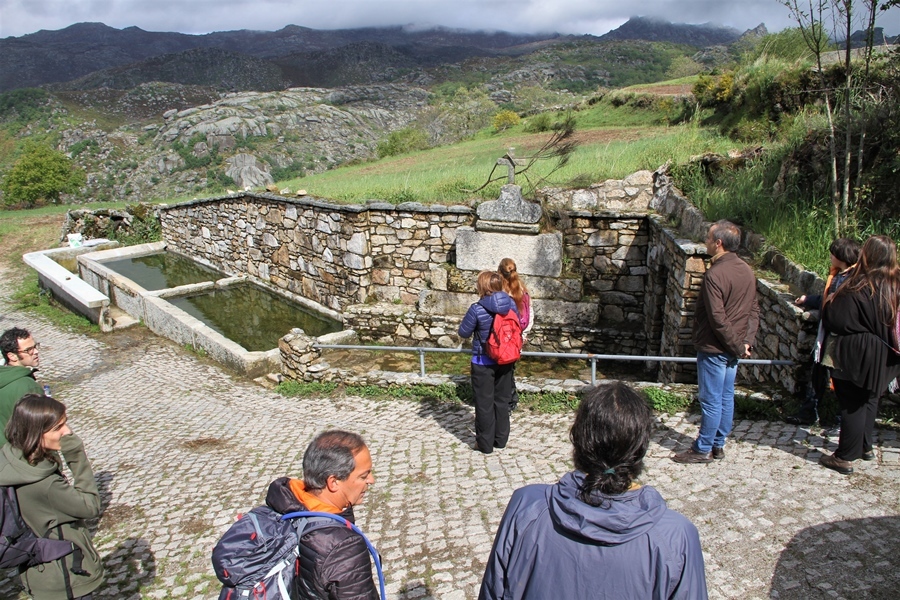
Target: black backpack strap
x=77, y=564
x=65, y=571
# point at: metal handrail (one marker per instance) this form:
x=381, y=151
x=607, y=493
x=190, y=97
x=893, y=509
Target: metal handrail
x=593, y=358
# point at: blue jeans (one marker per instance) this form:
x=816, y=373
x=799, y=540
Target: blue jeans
x=715, y=380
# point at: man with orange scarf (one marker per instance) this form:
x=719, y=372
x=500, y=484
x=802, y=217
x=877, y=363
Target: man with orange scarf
x=337, y=472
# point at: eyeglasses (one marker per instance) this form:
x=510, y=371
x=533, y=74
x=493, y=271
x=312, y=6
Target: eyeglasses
x=29, y=350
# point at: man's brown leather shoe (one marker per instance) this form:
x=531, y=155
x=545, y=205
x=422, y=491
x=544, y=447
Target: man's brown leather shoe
x=834, y=463
x=718, y=453
x=692, y=457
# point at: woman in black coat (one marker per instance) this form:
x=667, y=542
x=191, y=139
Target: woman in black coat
x=862, y=317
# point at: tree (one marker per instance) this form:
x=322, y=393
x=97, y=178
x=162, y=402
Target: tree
x=41, y=174
x=850, y=101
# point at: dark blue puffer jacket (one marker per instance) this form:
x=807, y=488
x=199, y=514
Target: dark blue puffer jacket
x=478, y=320
x=550, y=544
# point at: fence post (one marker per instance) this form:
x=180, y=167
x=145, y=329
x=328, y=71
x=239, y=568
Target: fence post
x=422, y=362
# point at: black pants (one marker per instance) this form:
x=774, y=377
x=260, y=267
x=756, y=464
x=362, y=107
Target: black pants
x=492, y=388
x=859, y=407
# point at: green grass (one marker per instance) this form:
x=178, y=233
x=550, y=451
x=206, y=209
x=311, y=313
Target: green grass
x=303, y=389
x=447, y=174
x=549, y=402
x=666, y=401
x=29, y=297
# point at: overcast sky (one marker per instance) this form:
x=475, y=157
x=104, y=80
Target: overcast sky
x=18, y=17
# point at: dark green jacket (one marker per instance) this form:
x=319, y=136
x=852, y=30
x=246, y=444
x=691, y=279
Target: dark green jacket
x=15, y=382
x=47, y=500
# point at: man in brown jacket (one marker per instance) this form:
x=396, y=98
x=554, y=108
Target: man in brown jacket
x=725, y=324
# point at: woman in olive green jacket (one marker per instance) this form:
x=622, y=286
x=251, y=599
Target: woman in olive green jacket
x=50, y=504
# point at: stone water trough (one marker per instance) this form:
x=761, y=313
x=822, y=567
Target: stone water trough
x=67, y=287
x=157, y=313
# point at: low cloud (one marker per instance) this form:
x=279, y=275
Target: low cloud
x=596, y=17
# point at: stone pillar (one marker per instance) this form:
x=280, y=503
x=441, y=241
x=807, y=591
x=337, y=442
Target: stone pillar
x=297, y=354
x=300, y=361
x=509, y=227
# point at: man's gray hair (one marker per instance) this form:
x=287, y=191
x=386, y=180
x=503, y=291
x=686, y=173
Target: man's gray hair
x=330, y=453
x=728, y=233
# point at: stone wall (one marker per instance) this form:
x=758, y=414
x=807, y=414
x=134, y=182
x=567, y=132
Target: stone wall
x=376, y=262
x=676, y=267
x=628, y=282
x=786, y=332
x=406, y=326
x=335, y=255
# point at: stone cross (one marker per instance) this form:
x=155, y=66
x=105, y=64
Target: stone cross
x=510, y=161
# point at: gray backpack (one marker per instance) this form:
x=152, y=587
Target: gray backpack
x=257, y=557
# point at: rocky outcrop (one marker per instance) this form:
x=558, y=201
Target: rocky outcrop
x=247, y=172
x=314, y=128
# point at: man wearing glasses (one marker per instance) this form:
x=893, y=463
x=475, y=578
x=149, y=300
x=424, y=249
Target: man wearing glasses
x=22, y=355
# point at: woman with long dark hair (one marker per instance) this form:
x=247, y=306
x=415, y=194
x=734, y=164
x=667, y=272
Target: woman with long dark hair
x=865, y=351
x=597, y=534
x=51, y=505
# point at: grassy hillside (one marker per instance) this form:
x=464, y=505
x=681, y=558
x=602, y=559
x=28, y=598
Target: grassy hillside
x=449, y=174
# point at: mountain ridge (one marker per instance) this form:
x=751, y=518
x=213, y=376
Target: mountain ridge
x=75, y=52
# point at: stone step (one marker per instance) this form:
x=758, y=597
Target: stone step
x=121, y=319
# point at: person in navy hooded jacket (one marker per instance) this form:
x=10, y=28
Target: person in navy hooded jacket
x=597, y=534
x=491, y=383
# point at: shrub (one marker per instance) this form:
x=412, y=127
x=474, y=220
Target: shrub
x=23, y=105
x=402, y=141
x=145, y=227
x=79, y=147
x=539, y=123
x=291, y=171
x=505, y=119
x=712, y=91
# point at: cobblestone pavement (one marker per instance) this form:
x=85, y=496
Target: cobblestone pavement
x=179, y=446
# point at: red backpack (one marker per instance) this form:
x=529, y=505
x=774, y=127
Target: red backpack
x=504, y=343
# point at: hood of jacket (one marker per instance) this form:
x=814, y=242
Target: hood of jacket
x=498, y=303
x=15, y=470
x=620, y=519
x=11, y=374
x=282, y=498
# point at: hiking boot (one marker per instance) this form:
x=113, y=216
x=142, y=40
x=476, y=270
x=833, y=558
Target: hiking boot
x=869, y=455
x=834, y=463
x=692, y=457
x=718, y=453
